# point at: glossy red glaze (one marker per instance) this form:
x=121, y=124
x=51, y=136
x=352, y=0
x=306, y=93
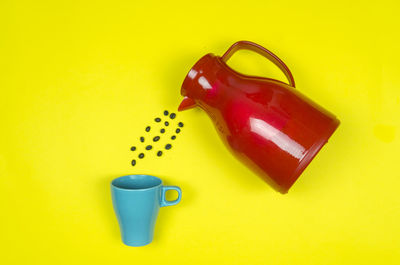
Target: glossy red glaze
x=266, y=123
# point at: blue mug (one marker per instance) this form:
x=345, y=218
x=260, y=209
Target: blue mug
x=136, y=200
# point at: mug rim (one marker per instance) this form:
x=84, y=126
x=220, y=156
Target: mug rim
x=134, y=176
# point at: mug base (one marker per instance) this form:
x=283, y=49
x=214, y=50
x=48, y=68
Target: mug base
x=136, y=244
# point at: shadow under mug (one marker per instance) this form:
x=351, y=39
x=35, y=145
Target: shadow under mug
x=137, y=200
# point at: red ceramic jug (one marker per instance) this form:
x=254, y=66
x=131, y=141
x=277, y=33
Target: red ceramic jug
x=266, y=123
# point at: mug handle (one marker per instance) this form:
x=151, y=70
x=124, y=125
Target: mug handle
x=164, y=201
x=262, y=51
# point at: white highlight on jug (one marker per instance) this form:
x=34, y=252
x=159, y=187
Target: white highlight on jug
x=269, y=132
x=202, y=80
x=192, y=73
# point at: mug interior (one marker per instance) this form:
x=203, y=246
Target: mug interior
x=136, y=182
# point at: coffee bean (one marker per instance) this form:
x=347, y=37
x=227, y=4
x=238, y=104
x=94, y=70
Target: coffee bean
x=133, y=162
x=162, y=130
x=172, y=116
x=168, y=146
x=141, y=155
x=173, y=137
x=133, y=148
x=166, y=123
x=180, y=124
x=149, y=147
x=178, y=130
x=157, y=119
x=165, y=112
x=159, y=153
x=155, y=139
x=142, y=139
x=148, y=129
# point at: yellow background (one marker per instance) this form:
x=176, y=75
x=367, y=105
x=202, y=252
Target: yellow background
x=80, y=80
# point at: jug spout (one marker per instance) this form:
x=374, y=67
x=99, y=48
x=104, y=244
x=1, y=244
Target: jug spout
x=199, y=87
x=187, y=103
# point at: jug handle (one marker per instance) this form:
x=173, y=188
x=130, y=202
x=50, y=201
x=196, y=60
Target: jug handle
x=262, y=51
